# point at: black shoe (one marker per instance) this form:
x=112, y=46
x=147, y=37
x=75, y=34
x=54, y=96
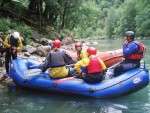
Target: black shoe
x=3, y=77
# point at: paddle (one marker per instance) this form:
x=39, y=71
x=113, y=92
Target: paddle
x=113, y=66
x=70, y=78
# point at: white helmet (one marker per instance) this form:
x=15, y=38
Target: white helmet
x=16, y=35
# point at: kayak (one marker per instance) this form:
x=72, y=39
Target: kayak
x=124, y=84
x=109, y=57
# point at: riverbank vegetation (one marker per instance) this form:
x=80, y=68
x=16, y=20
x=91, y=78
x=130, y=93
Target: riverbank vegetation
x=83, y=18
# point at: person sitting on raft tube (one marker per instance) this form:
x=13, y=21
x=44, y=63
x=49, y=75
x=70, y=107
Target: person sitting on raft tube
x=80, y=52
x=92, y=68
x=56, y=61
x=133, y=53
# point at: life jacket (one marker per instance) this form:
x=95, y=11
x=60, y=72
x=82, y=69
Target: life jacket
x=13, y=41
x=94, y=66
x=56, y=60
x=138, y=55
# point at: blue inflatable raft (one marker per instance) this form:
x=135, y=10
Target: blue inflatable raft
x=124, y=84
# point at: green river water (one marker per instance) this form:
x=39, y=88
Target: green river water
x=15, y=100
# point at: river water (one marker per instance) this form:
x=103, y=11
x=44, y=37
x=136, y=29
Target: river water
x=16, y=100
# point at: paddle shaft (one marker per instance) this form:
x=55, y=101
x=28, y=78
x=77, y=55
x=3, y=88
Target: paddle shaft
x=113, y=66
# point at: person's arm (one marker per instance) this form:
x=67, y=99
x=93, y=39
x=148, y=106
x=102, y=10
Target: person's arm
x=19, y=44
x=45, y=66
x=67, y=58
x=6, y=42
x=129, y=49
x=81, y=65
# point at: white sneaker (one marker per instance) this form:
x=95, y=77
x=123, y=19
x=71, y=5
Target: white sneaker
x=108, y=75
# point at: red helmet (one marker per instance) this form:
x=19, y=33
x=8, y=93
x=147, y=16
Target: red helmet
x=56, y=43
x=78, y=44
x=91, y=51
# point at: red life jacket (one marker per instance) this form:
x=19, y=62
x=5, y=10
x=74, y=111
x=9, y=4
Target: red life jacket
x=94, y=66
x=138, y=55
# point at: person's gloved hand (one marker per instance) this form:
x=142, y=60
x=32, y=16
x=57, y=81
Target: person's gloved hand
x=14, y=49
x=83, y=74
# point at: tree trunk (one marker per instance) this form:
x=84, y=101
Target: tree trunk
x=64, y=15
x=46, y=12
x=40, y=14
x=33, y=5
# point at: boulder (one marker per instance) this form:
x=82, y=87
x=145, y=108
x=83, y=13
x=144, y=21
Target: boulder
x=29, y=48
x=68, y=40
x=43, y=50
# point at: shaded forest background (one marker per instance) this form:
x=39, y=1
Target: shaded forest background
x=84, y=18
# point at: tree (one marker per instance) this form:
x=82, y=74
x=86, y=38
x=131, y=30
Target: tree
x=143, y=18
x=128, y=17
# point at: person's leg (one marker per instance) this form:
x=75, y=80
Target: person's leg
x=7, y=60
x=71, y=71
x=14, y=55
x=118, y=70
x=125, y=67
x=93, y=78
x=129, y=66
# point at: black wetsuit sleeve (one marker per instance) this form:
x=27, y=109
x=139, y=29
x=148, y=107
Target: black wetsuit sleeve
x=67, y=58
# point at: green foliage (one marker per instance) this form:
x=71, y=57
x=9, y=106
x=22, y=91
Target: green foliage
x=52, y=36
x=25, y=31
x=143, y=18
x=5, y=24
x=129, y=15
x=89, y=32
x=17, y=8
x=87, y=18
x=64, y=33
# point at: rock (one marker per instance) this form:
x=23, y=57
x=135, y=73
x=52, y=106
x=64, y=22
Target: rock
x=36, y=35
x=29, y=48
x=2, y=61
x=35, y=44
x=44, y=41
x=27, y=54
x=43, y=50
x=68, y=40
x=68, y=47
x=37, y=58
